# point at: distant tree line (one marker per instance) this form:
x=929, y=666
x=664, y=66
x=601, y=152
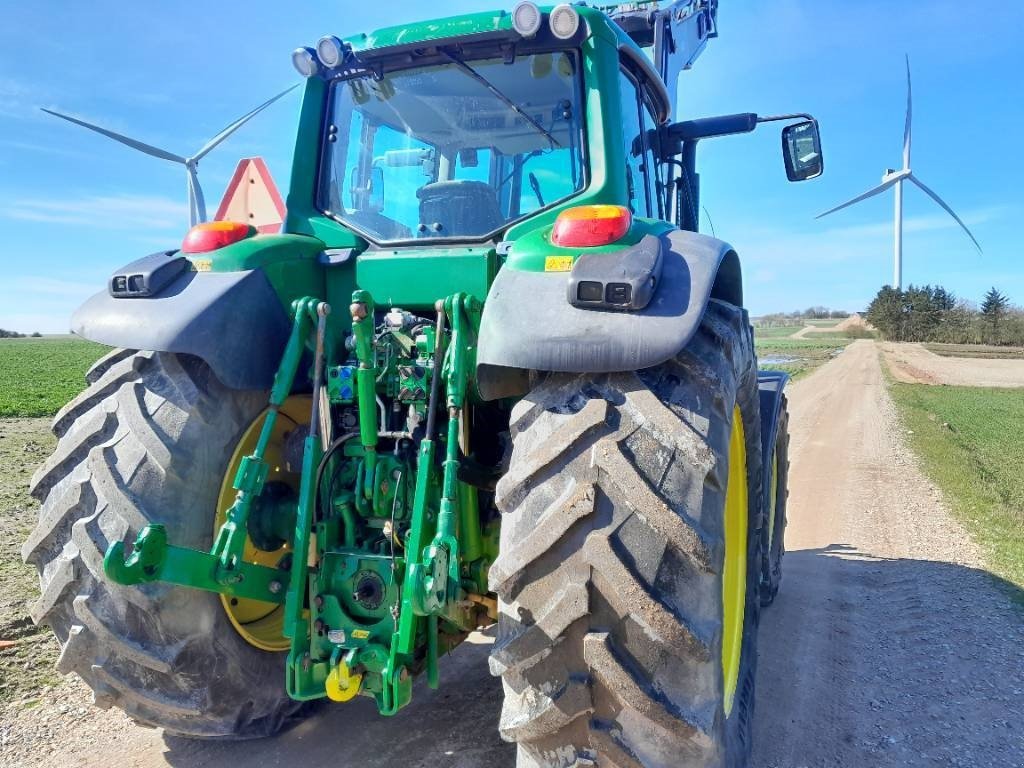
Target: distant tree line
x=931, y=313
x=796, y=318
x=5, y=334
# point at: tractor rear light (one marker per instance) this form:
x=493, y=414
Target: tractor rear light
x=526, y=19
x=212, y=235
x=564, y=21
x=590, y=225
x=305, y=61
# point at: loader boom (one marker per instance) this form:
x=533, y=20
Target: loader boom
x=677, y=32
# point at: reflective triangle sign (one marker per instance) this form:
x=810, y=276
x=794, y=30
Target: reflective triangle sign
x=252, y=197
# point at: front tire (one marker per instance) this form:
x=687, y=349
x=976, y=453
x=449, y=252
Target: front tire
x=148, y=441
x=613, y=562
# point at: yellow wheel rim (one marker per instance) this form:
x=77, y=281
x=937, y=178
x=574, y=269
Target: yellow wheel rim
x=261, y=624
x=734, y=575
x=774, y=490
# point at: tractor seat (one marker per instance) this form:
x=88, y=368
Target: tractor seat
x=457, y=208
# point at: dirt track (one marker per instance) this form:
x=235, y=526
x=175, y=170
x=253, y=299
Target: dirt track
x=913, y=364
x=886, y=647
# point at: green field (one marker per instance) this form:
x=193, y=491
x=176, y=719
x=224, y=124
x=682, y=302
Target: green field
x=38, y=376
x=776, y=331
x=969, y=439
x=803, y=355
x=976, y=350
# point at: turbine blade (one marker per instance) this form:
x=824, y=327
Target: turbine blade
x=946, y=208
x=870, y=193
x=146, y=148
x=197, y=203
x=906, y=127
x=239, y=123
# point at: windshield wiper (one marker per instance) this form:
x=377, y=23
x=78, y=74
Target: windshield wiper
x=505, y=99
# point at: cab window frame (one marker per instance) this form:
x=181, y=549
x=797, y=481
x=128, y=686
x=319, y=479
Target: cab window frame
x=647, y=117
x=581, y=144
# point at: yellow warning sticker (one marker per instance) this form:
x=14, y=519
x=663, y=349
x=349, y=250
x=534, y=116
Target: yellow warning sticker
x=202, y=265
x=360, y=634
x=558, y=263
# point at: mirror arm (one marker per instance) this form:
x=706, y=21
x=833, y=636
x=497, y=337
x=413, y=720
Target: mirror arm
x=794, y=116
x=672, y=137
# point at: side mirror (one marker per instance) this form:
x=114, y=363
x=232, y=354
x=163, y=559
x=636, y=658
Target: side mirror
x=801, y=149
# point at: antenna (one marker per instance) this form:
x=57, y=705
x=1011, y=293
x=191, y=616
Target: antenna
x=895, y=179
x=196, y=201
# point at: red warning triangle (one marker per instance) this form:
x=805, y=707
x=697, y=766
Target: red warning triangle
x=252, y=197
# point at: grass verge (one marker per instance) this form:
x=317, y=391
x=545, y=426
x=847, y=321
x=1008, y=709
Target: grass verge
x=38, y=376
x=969, y=440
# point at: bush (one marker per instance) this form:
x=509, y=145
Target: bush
x=857, y=332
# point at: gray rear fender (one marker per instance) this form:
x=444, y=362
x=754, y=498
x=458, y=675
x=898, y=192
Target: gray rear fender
x=233, y=321
x=528, y=324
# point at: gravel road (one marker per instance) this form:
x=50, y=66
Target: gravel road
x=888, y=644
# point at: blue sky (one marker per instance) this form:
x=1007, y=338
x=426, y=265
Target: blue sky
x=74, y=206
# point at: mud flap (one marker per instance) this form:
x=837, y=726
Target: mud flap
x=529, y=325
x=233, y=321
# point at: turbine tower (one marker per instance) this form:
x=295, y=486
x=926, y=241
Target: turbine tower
x=895, y=179
x=196, y=201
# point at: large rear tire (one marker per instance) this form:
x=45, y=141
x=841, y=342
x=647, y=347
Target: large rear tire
x=775, y=517
x=612, y=574
x=149, y=441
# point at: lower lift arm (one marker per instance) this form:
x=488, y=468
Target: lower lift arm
x=222, y=568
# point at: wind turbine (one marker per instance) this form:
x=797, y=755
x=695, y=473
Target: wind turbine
x=895, y=179
x=196, y=201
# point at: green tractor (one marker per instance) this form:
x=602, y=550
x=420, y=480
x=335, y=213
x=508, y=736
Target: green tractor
x=488, y=374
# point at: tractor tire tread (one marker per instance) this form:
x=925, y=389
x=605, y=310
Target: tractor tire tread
x=143, y=443
x=608, y=573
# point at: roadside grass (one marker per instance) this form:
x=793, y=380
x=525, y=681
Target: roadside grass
x=798, y=357
x=38, y=376
x=970, y=442
x=976, y=350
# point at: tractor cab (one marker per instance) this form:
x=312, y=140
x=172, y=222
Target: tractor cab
x=454, y=148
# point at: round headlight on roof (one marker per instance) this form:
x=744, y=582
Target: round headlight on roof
x=305, y=61
x=564, y=21
x=526, y=19
x=330, y=50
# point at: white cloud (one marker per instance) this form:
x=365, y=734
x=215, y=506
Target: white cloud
x=118, y=212
x=911, y=224
x=764, y=246
x=49, y=286
x=16, y=99
x=48, y=149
